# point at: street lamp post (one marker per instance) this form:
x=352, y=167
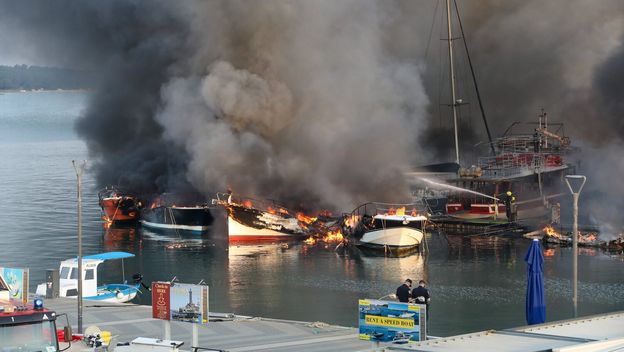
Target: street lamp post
x=579, y=180
x=79, y=171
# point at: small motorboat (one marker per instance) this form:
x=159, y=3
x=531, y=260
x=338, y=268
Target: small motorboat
x=389, y=228
x=68, y=273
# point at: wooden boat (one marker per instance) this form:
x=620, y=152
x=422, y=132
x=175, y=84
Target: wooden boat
x=165, y=213
x=118, y=206
x=262, y=220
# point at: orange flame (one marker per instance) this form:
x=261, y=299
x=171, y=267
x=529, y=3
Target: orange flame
x=247, y=203
x=333, y=236
x=305, y=219
x=310, y=241
x=550, y=231
x=589, y=237
x=352, y=220
x=271, y=210
x=283, y=211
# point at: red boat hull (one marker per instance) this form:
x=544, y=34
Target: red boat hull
x=114, y=209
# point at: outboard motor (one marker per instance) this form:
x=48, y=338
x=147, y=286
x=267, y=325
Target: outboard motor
x=138, y=278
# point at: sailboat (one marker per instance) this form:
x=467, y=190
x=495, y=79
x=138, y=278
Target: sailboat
x=526, y=164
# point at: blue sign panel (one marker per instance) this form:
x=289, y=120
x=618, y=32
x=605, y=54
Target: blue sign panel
x=392, y=321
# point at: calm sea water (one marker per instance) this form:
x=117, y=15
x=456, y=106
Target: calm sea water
x=476, y=283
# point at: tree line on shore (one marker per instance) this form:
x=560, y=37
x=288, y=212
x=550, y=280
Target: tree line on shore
x=38, y=77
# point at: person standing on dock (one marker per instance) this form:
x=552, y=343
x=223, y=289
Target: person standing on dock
x=508, y=199
x=403, y=291
x=420, y=295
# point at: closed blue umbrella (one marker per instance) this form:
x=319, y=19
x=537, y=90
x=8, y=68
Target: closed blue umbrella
x=535, y=302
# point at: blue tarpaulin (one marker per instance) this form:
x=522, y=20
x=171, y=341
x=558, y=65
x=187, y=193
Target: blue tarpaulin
x=535, y=301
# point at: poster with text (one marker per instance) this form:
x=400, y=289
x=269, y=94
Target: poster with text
x=189, y=303
x=387, y=321
x=17, y=280
x=161, y=300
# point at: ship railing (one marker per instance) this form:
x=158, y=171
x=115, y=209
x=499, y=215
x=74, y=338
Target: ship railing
x=514, y=164
x=376, y=208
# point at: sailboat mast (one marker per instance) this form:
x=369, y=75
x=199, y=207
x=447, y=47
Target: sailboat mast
x=452, y=70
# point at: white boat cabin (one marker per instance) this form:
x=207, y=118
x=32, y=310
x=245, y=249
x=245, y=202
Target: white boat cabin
x=68, y=274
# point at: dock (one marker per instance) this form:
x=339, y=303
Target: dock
x=224, y=332
x=234, y=333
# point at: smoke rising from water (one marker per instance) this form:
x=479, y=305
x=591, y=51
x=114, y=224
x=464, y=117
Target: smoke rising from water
x=320, y=101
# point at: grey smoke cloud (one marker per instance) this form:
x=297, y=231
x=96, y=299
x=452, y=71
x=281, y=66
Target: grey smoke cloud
x=321, y=101
x=315, y=111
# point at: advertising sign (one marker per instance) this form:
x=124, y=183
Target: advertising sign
x=161, y=300
x=189, y=303
x=391, y=321
x=17, y=280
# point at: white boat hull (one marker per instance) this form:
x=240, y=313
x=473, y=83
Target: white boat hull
x=238, y=231
x=399, y=237
x=160, y=226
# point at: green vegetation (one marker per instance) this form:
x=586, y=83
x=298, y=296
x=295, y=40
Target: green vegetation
x=36, y=77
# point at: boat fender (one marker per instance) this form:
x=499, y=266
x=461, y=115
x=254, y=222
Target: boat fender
x=119, y=294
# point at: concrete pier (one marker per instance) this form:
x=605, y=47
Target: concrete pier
x=223, y=332
x=227, y=332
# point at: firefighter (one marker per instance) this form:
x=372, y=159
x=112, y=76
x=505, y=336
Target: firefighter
x=508, y=200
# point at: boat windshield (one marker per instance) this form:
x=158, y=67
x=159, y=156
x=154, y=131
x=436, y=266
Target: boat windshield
x=29, y=337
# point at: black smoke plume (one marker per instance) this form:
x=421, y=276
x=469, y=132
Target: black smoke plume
x=321, y=101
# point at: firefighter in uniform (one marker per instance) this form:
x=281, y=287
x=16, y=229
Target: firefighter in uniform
x=508, y=199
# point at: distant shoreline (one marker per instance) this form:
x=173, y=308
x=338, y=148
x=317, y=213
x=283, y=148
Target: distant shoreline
x=44, y=90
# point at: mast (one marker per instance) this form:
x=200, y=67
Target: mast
x=452, y=70
x=474, y=79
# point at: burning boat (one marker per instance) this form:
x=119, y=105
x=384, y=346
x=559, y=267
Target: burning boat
x=554, y=237
x=252, y=220
x=519, y=182
x=392, y=228
x=529, y=159
x=589, y=239
x=164, y=214
x=118, y=206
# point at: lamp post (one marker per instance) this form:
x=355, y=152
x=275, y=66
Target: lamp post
x=79, y=171
x=579, y=180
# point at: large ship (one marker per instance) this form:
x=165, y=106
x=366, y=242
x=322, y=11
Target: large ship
x=519, y=178
x=525, y=174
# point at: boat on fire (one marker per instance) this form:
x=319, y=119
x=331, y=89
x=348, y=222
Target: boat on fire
x=68, y=279
x=254, y=219
x=164, y=214
x=118, y=206
x=391, y=228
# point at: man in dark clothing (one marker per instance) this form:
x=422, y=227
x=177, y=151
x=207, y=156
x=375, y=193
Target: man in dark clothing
x=508, y=210
x=403, y=291
x=420, y=295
